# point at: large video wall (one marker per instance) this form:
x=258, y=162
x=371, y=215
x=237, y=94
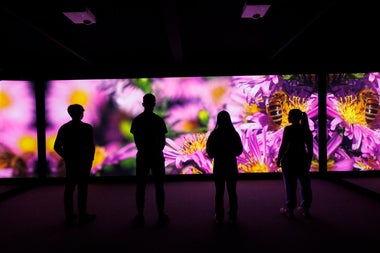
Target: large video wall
x=258, y=104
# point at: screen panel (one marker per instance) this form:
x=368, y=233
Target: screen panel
x=18, y=132
x=258, y=106
x=353, y=124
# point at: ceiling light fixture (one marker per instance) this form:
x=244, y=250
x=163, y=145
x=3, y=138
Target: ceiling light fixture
x=81, y=17
x=254, y=11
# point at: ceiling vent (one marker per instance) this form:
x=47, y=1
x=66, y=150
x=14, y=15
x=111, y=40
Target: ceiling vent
x=81, y=17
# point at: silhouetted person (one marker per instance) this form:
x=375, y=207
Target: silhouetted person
x=224, y=145
x=295, y=155
x=149, y=132
x=75, y=144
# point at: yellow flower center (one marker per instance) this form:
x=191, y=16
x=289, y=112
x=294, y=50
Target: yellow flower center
x=193, y=143
x=352, y=110
x=192, y=170
x=364, y=166
x=79, y=97
x=250, y=109
x=28, y=144
x=100, y=155
x=5, y=100
x=295, y=102
x=50, y=143
x=253, y=165
x=218, y=93
x=330, y=164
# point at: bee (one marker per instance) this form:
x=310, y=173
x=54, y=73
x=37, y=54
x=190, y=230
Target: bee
x=371, y=104
x=9, y=160
x=275, y=107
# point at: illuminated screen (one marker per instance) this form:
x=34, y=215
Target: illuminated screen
x=353, y=122
x=258, y=106
x=18, y=132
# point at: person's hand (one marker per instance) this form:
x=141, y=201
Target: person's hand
x=308, y=161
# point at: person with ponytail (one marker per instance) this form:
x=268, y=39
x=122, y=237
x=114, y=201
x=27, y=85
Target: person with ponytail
x=294, y=158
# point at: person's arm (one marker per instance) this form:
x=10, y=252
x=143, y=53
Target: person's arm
x=210, y=146
x=92, y=143
x=309, y=146
x=283, y=147
x=238, y=145
x=58, y=144
x=163, y=135
x=136, y=136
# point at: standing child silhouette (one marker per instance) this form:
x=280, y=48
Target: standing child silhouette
x=295, y=155
x=224, y=145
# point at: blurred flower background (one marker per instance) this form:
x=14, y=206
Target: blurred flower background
x=18, y=132
x=259, y=106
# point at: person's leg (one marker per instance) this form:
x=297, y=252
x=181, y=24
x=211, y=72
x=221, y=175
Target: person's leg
x=82, y=196
x=68, y=195
x=219, y=197
x=142, y=170
x=83, y=179
x=158, y=173
x=83, y=190
x=68, y=198
x=306, y=191
x=290, y=182
x=233, y=199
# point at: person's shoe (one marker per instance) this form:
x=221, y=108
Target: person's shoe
x=86, y=218
x=233, y=219
x=304, y=212
x=70, y=219
x=234, y=222
x=139, y=221
x=219, y=220
x=162, y=220
x=287, y=212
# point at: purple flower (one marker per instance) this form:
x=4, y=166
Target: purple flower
x=178, y=88
x=187, y=155
x=128, y=98
x=62, y=93
x=253, y=86
x=347, y=114
x=184, y=118
x=16, y=99
x=257, y=155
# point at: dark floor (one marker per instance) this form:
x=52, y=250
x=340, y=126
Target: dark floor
x=344, y=220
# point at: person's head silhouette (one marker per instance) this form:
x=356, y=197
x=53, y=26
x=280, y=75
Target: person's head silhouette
x=295, y=115
x=75, y=111
x=223, y=120
x=149, y=101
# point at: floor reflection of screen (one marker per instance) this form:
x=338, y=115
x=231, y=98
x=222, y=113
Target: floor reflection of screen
x=18, y=133
x=353, y=122
x=258, y=105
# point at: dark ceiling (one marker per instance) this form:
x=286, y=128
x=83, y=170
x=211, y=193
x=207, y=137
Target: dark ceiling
x=144, y=38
